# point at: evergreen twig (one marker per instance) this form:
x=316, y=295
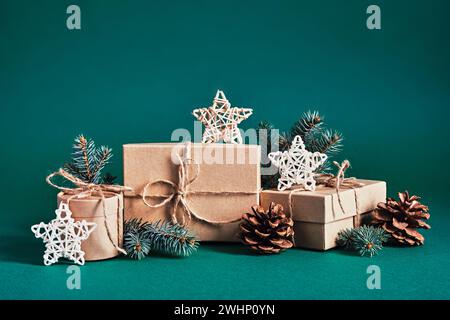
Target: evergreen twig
x=366, y=240
x=87, y=160
x=308, y=125
x=171, y=239
x=108, y=178
x=142, y=238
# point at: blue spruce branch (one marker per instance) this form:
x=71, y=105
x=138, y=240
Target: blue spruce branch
x=366, y=240
x=87, y=160
x=162, y=238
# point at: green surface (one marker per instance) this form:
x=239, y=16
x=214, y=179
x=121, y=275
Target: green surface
x=220, y=271
x=116, y=79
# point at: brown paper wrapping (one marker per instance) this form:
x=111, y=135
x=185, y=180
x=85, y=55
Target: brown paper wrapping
x=98, y=246
x=318, y=216
x=322, y=205
x=321, y=236
x=222, y=168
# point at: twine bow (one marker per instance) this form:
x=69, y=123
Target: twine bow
x=180, y=192
x=85, y=190
x=337, y=181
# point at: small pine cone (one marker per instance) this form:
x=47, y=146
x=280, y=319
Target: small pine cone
x=268, y=231
x=401, y=218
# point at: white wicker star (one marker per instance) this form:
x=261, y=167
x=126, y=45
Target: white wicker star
x=221, y=120
x=63, y=236
x=297, y=165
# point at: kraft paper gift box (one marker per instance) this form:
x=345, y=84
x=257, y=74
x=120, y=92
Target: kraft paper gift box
x=99, y=246
x=226, y=182
x=318, y=216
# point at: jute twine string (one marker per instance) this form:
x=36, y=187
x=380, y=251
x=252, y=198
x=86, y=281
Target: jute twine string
x=84, y=190
x=337, y=181
x=180, y=192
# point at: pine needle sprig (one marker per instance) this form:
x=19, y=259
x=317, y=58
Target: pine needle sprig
x=134, y=226
x=344, y=238
x=142, y=238
x=329, y=142
x=102, y=158
x=137, y=245
x=171, y=239
x=87, y=160
x=108, y=178
x=309, y=124
x=366, y=240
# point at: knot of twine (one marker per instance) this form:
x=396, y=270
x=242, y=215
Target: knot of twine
x=84, y=190
x=180, y=192
x=337, y=181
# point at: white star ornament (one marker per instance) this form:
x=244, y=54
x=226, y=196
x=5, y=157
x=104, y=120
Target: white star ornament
x=63, y=236
x=221, y=120
x=297, y=165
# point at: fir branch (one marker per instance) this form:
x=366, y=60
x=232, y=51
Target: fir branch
x=308, y=124
x=171, y=239
x=102, y=157
x=137, y=245
x=159, y=237
x=366, y=240
x=265, y=125
x=134, y=225
x=135, y=242
x=108, y=178
x=329, y=142
x=344, y=238
x=87, y=160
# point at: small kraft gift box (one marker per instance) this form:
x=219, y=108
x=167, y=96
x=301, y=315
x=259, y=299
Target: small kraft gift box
x=107, y=238
x=319, y=215
x=99, y=204
x=205, y=187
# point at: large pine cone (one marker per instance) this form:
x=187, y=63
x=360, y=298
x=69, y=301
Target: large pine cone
x=268, y=231
x=401, y=218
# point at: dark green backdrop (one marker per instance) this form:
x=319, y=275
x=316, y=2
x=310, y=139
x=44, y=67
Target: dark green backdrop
x=136, y=69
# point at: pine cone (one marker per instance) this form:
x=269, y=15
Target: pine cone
x=268, y=231
x=402, y=218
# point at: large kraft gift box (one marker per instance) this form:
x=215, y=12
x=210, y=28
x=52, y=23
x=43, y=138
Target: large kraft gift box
x=318, y=216
x=226, y=183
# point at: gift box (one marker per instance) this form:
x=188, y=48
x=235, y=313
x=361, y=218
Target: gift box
x=322, y=236
x=206, y=187
x=319, y=215
x=108, y=234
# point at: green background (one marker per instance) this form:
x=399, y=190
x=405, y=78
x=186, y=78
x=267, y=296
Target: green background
x=136, y=69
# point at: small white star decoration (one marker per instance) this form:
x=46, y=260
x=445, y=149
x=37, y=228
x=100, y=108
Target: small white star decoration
x=297, y=165
x=63, y=236
x=221, y=120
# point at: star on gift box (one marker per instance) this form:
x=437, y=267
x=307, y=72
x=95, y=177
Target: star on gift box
x=221, y=120
x=297, y=165
x=63, y=236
